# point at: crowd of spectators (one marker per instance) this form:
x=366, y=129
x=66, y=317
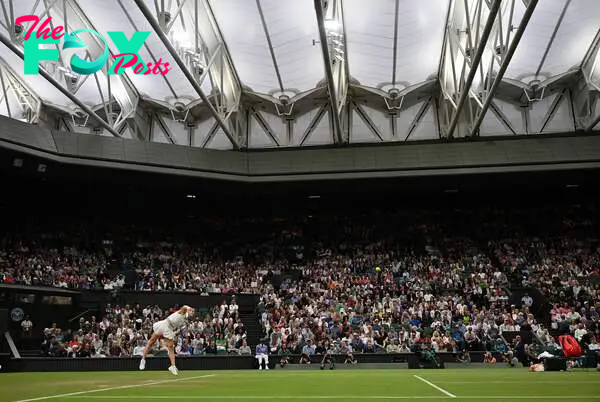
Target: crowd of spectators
x=430, y=299
x=562, y=261
x=450, y=295
x=123, y=331
x=362, y=283
x=61, y=259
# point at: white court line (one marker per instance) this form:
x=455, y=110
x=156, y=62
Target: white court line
x=363, y=397
x=70, y=394
x=442, y=390
x=512, y=382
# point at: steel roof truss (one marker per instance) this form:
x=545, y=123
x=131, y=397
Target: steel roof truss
x=468, y=33
x=334, y=59
x=218, y=113
x=589, y=90
x=491, y=84
x=28, y=101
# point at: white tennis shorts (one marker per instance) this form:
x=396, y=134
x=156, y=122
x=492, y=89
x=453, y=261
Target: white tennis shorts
x=163, y=328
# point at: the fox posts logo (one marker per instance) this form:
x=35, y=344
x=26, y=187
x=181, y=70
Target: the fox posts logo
x=39, y=45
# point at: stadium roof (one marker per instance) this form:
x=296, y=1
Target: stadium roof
x=290, y=73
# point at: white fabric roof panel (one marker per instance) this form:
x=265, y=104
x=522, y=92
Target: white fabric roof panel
x=26, y=7
x=370, y=38
x=292, y=27
x=573, y=38
x=241, y=26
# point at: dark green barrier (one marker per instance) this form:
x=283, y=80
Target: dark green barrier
x=31, y=364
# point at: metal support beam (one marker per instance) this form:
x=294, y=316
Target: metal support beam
x=210, y=135
x=552, y=37
x=122, y=129
x=504, y=66
x=464, y=45
x=152, y=56
x=587, y=96
x=553, y=109
x=270, y=43
x=28, y=101
x=163, y=127
x=333, y=80
x=200, y=44
x=344, y=76
x=8, y=43
x=313, y=124
x=118, y=87
x=5, y=97
x=191, y=133
x=395, y=51
x=350, y=121
x=502, y=117
x=572, y=108
x=481, y=47
x=346, y=119
x=592, y=56
x=583, y=99
x=140, y=124
x=62, y=124
x=239, y=123
x=173, y=52
x=209, y=41
x=393, y=124
x=289, y=130
x=593, y=124
x=418, y=117
x=436, y=115
x=367, y=120
x=265, y=126
x=525, y=114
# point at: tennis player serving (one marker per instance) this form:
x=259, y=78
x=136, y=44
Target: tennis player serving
x=168, y=329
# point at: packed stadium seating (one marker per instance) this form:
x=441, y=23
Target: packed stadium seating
x=123, y=332
x=377, y=281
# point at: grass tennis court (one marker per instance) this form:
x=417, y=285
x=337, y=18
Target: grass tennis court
x=282, y=385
